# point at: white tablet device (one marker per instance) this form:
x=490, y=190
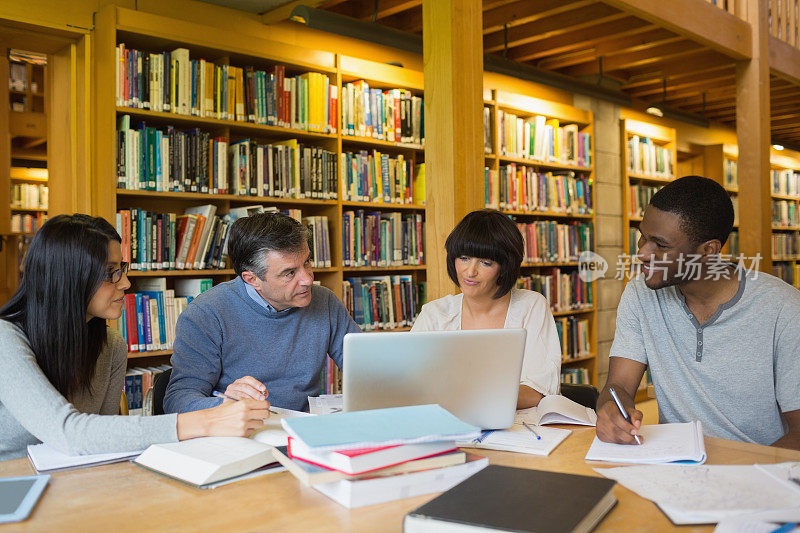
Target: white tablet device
x=18, y=495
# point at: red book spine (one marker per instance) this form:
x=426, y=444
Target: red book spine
x=133, y=332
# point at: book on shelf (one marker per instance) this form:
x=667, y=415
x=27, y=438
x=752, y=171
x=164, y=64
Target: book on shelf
x=502, y=498
x=487, y=130
x=319, y=240
x=363, y=460
x=173, y=82
x=521, y=188
x=640, y=196
x=139, y=388
x=730, y=173
x=573, y=333
x=733, y=243
x=564, y=290
x=168, y=241
x=549, y=241
x=382, y=302
x=170, y=159
x=29, y=196
x=557, y=409
x=311, y=474
x=377, y=177
x=393, y=115
x=647, y=158
x=785, y=213
x=785, y=182
x=380, y=239
x=330, y=379
x=26, y=222
x=418, y=186
x=543, y=139
x=575, y=376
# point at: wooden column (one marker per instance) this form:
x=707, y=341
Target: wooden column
x=753, y=133
x=453, y=57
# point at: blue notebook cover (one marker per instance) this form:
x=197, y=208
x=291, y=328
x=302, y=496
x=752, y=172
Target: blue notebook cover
x=379, y=427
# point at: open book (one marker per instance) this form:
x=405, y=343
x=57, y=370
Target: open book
x=557, y=409
x=208, y=460
x=663, y=443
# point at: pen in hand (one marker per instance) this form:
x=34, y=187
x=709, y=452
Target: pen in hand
x=529, y=428
x=622, y=411
x=226, y=397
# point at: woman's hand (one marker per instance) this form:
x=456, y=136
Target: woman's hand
x=230, y=419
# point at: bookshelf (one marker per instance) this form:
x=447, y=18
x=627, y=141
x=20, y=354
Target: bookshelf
x=639, y=183
x=643, y=172
x=720, y=163
x=155, y=34
x=25, y=198
x=510, y=164
x=785, y=185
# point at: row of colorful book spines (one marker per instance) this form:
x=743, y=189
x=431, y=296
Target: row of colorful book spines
x=393, y=115
x=650, y=159
x=330, y=379
x=549, y=192
x=191, y=165
x=574, y=336
x=552, y=237
x=785, y=246
x=137, y=386
x=575, y=376
x=785, y=212
x=153, y=81
x=563, y=294
x=27, y=222
x=156, y=241
x=148, y=319
x=555, y=148
x=388, y=306
x=29, y=195
x=514, y=131
x=370, y=240
x=364, y=179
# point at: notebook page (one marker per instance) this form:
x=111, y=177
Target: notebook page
x=663, y=443
x=46, y=458
x=694, y=494
x=518, y=439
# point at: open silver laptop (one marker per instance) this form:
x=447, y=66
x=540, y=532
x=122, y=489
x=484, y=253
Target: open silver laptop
x=473, y=374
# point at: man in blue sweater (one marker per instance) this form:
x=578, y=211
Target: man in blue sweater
x=265, y=333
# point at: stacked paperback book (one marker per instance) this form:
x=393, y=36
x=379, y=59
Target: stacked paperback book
x=368, y=457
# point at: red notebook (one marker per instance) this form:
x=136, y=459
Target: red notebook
x=368, y=459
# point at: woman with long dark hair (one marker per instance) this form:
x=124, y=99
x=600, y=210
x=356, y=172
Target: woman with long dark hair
x=61, y=367
x=484, y=254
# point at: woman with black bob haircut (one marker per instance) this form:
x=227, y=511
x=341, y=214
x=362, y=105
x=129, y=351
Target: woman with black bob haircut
x=484, y=254
x=61, y=366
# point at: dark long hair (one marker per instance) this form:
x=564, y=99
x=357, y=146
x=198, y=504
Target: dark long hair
x=65, y=264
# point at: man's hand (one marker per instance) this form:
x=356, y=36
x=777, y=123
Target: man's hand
x=612, y=426
x=247, y=387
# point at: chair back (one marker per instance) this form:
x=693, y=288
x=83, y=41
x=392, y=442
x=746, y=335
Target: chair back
x=159, y=389
x=586, y=395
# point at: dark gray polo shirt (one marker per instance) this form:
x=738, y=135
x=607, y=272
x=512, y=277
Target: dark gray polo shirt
x=736, y=372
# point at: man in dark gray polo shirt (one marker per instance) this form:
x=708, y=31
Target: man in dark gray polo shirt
x=722, y=343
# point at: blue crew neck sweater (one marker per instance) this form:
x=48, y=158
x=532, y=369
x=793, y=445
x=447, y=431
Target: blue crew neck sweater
x=224, y=335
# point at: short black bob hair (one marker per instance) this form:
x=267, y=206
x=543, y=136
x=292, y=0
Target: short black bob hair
x=488, y=234
x=703, y=205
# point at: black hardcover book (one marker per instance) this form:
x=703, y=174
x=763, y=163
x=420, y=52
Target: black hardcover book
x=501, y=498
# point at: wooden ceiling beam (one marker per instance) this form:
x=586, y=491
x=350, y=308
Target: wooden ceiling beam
x=677, y=87
x=790, y=118
x=387, y=8
x=610, y=48
x=701, y=22
x=559, y=24
x=655, y=85
x=410, y=21
x=283, y=12
x=579, y=39
x=636, y=59
x=784, y=60
x=526, y=11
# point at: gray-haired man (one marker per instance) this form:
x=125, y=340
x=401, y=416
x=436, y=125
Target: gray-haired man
x=265, y=333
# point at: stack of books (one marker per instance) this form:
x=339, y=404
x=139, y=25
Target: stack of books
x=368, y=457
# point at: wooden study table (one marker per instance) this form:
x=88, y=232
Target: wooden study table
x=124, y=497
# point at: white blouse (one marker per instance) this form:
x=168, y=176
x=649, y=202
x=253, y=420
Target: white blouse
x=541, y=365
